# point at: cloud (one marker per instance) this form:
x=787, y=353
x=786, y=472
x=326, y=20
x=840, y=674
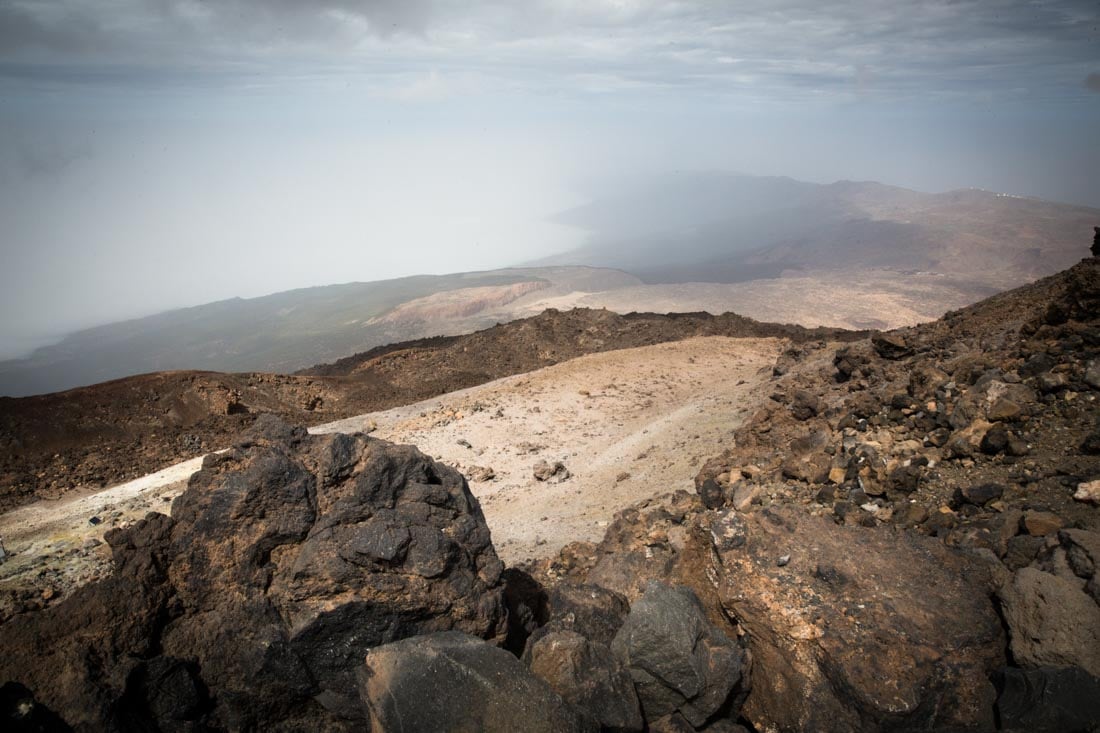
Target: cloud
x=768, y=48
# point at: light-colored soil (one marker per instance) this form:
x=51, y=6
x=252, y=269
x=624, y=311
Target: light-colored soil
x=626, y=424
x=855, y=299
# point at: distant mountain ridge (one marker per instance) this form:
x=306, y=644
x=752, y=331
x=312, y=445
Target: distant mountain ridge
x=287, y=331
x=848, y=254
x=715, y=227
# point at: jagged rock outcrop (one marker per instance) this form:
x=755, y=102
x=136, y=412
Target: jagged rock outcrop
x=451, y=681
x=251, y=608
x=849, y=627
x=853, y=628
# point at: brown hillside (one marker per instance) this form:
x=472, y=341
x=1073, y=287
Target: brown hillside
x=107, y=433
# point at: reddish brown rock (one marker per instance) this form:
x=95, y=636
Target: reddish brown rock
x=863, y=629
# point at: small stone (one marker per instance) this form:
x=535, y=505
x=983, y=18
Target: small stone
x=1091, y=444
x=1020, y=551
x=783, y=561
x=544, y=471
x=995, y=440
x=1040, y=524
x=1092, y=374
x=481, y=473
x=912, y=515
x=890, y=346
x=805, y=405
x=1051, y=382
x=978, y=495
x=464, y=443
x=905, y=478
x=746, y=495
x=837, y=474
x=94, y=521
x=1089, y=492
x=1004, y=410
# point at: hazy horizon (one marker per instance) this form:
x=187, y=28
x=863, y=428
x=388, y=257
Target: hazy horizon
x=156, y=155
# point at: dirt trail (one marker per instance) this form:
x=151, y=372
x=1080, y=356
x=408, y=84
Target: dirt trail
x=626, y=424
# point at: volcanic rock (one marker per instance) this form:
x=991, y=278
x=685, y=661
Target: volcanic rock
x=454, y=681
x=481, y=473
x=1082, y=551
x=545, y=471
x=1092, y=374
x=595, y=612
x=1051, y=621
x=1088, y=491
x=1048, y=699
x=978, y=495
x=680, y=662
x=1040, y=524
x=805, y=405
x=285, y=560
x=1021, y=551
x=1004, y=410
x=863, y=629
x=589, y=677
x=890, y=346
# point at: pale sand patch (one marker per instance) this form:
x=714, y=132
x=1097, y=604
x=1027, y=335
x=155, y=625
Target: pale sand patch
x=654, y=412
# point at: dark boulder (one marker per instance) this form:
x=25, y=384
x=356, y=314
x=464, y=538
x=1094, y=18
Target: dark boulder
x=1048, y=700
x=680, y=662
x=450, y=681
x=592, y=611
x=285, y=560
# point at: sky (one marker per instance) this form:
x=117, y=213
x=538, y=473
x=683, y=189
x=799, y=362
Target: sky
x=163, y=153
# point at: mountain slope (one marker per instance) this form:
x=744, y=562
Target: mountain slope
x=289, y=330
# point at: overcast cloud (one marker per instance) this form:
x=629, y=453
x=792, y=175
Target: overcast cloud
x=159, y=153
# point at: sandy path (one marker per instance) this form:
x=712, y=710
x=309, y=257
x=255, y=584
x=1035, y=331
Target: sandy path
x=626, y=424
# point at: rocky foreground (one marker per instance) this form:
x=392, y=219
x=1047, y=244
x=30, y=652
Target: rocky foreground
x=904, y=537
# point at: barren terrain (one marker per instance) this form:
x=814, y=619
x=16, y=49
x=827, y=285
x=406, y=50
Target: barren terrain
x=103, y=435
x=854, y=298
x=626, y=425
